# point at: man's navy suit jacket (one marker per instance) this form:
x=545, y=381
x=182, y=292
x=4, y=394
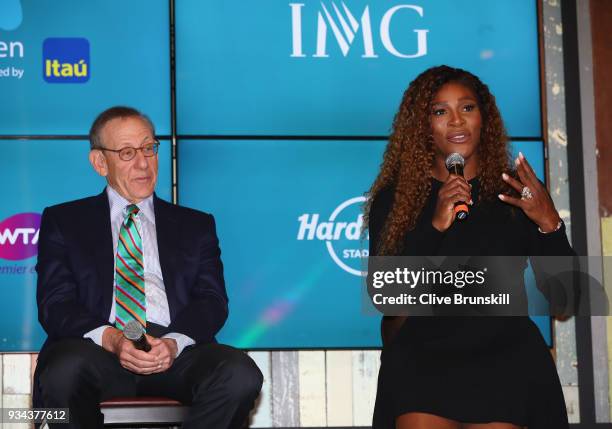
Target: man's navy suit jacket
x=76, y=269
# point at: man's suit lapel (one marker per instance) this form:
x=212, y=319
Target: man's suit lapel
x=166, y=227
x=102, y=242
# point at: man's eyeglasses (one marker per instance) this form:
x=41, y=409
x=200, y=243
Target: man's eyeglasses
x=128, y=153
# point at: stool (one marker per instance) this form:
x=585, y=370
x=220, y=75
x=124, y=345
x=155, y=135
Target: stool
x=143, y=411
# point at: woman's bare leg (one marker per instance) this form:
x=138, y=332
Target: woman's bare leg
x=493, y=425
x=424, y=421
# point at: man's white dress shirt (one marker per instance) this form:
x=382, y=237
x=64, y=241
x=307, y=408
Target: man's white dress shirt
x=156, y=300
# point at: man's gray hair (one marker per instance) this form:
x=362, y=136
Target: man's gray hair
x=95, y=139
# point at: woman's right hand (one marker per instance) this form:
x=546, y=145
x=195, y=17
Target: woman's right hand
x=454, y=189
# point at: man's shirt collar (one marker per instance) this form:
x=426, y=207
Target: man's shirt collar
x=118, y=204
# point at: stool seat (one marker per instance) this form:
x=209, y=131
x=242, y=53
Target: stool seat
x=149, y=410
x=138, y=400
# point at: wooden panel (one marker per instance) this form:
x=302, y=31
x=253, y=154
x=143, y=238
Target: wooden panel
x=285, y=390
x=262, y=414
x=556, y=136
x=606, y=235
x=599, y=338
x=606, y=244
x=16, y=401
x=16, y=376
x=558, y=172
x=366, y=364
x=339, y=376
x=312, y=388
x=601, y=20
x=566, y=355
x=572, y=403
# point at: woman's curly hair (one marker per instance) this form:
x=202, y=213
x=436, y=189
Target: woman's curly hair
x=409, y=156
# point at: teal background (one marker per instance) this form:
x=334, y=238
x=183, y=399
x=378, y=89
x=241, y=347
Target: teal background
x=129, y=64
x=285, y=292
x=267, y=269
x=235, y=74
x=33, y=175
x=235, y=78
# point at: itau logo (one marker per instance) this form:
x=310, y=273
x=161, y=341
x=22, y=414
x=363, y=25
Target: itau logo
x=11, y=14
x=66, y=60
x=341, y=234
x=19, y=236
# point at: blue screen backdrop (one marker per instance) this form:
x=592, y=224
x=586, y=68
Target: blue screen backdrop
x=33, y=175
x=236, y=74
x=285, y=289
x=129, y=63
x=257, y=85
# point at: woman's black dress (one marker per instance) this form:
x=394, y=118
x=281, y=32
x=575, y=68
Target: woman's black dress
x=470, y=369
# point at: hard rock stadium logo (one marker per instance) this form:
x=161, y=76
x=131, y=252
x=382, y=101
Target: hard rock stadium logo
x=341, y=233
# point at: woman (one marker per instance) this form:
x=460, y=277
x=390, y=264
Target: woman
x=487, y=372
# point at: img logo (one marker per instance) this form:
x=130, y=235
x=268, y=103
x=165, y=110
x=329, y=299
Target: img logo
x=66, y=60
x=11, y=14
x=341, y=234
x=19, y=236
x=344, y=27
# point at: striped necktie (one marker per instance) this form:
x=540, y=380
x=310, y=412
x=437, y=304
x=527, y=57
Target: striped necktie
x=129, y=273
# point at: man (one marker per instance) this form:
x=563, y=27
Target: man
x=126, y=255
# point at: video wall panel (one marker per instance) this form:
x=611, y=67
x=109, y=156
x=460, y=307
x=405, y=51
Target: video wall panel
x=268, y=197
x=64, y=61
x=245, y=71
x=340, y=68
x=294, y=278
x=33, y=175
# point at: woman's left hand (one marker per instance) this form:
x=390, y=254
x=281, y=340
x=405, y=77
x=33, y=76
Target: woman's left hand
x=536, y=203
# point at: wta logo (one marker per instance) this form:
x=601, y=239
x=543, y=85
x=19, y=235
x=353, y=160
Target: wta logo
x=19, y=236
x=341, y=234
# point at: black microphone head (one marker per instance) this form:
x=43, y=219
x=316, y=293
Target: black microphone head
x=454, y=159
x=133, y=330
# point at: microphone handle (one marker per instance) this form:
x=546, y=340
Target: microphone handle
x=142, y=344
x=456, y=169
x=461, y=209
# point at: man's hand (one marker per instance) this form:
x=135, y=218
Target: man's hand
x=165, y=350
x=130, y=358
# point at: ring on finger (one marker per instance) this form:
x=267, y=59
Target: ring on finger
x=526, y=193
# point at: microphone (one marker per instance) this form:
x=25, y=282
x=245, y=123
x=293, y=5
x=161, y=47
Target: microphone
x=454, y=165
x=134, y=332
